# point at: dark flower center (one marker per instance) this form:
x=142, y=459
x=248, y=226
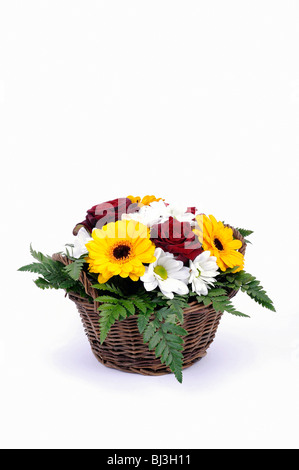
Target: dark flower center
x=121, y=251
x=218, y=244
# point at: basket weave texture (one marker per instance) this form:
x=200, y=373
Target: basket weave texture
x=124, y=348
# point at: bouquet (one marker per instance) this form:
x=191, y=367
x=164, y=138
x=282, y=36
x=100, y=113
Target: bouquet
x=147, y=260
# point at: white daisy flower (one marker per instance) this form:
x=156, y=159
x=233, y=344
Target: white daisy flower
x=78, y=249
x=181, y=215
x=170, y=275
x=203, y=271
x=154, y=213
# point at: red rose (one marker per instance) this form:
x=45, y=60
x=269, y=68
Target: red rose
x=102, y=214
x=191, y=210
x=177, y=238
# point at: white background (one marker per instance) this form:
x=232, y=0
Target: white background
x=194, y=101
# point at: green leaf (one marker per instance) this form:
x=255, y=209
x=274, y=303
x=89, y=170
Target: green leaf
x=171, y=318
x=108, y=316
x=244, y=232
x=107, y=319
x=74, y=269
x=160, y=348
x=140, y=304
x=252, y=287
x=155, y=340
x=53, y=275
x=175, y=341
x=107, y=298
x=207, y=301
x=177, y=306
x=149, y=331
x=42, y=283
x=227, y=306
x=175, y=329
x=129, y=306
x=37, y=268
x=215, y=292
x=165, y=338
x=39, y=256
x=142, y=322
x=109, y=288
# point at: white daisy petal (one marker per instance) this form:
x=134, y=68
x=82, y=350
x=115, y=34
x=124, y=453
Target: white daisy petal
x=147, y=276
x=182, y=274
x=170, y=295
x=80, y=241
x=150, y=285
x=204, y=270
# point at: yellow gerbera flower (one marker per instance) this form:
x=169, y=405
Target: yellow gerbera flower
x=219, y=241
x=145, y=201
x=120, y=248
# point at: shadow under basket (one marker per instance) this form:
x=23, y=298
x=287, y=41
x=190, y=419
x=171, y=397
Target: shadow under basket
x=124, y=348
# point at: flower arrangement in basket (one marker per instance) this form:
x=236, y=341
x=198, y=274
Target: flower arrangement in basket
x=151, y=282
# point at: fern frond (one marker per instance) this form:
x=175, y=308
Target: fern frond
x=36, y=268
x=252, y=287
x=142, y=321
x=109, y=313
x=177, y=306
x=129, y=306
x=244, y=232
x=42, y=283
x=74, y=269
x=221, y=302
x=165, y=339
x=39, y=256
x=109, y=287
x=107, y=299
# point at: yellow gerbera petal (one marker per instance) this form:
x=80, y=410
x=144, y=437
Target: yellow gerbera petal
x=145, y=201
x=234, y=244
x=102, y=279
x=134, y=199
x=134, y=277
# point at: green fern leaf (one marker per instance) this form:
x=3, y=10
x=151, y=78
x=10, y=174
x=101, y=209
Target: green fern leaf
x=165, y=339
x=109, y=288
x=143, y=321
x=36, y=268
x=252, y=287
x=129, y=306
x=140, y=304
x=108, y=316
x=155, y=340
x=215, y=292
x=74, y=269
x=244, y=232
x=42, y=283
x=149, y=331
x=107, y=299
x=177, y=306
x=160, y=348
x=39, y=256
x=226, y=306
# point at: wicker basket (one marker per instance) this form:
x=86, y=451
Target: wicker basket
x=124, y=349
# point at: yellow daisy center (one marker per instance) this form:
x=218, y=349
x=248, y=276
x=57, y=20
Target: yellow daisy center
x=161, y=271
